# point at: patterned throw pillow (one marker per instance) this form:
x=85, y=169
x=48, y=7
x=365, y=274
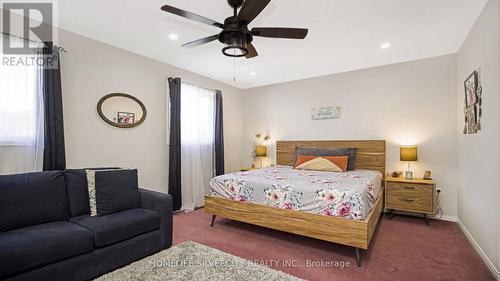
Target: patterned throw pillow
x=91, y=188
x=322, y=163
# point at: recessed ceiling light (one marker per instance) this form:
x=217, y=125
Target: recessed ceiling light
x=253, y=73
x=385, y=46
x=173, y=36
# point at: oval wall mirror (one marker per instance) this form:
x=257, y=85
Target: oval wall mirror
x=121, y=110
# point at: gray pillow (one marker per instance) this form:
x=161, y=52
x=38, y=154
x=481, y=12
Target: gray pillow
x=350, y=152
x=78, y=190
x=111, y=191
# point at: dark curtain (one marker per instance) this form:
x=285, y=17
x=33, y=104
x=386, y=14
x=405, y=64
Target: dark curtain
x=54, y=157
x=174, y=167
x=219, y=135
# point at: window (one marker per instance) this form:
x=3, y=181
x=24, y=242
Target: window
x=197, y=115
x=19, y=104
x=21, y=114
x=197, y=144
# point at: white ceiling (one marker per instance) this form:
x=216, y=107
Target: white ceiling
x=343, y=35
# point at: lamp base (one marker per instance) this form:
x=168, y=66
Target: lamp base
x=409, y=175
x=259, y=162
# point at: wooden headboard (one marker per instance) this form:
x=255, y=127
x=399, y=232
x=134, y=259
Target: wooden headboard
x=370, y=153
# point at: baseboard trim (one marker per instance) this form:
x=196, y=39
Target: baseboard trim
x=445, y=218
x=441, y=218
x=491, y=266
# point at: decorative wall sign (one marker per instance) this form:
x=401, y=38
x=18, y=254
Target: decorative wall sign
x=473, y=101
x=327, y=112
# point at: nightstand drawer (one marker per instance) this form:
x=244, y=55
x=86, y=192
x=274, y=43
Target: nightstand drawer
x=409, y=202
x=408, y=187
x=409, y=197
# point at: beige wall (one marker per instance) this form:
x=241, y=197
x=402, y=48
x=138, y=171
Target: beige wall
x=479, y=169
x=91, y=70
x=405, y=104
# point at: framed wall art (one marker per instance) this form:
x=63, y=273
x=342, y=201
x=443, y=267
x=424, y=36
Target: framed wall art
x=126, y=118
x=327, y=112
x=473, y=101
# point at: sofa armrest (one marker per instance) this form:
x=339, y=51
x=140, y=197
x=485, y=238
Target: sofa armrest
x=162, y=204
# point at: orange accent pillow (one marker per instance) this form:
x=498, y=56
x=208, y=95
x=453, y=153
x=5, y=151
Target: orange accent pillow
x=339, y=161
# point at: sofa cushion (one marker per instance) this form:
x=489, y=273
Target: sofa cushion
x=116, y=190
x=78, y=195
x=33, y=198
x=33, y=246
x=116, y=227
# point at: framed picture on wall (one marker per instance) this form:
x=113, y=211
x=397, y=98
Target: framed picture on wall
x=472, y=109
x=327, y=112
x=471, y=89
x=126, y=118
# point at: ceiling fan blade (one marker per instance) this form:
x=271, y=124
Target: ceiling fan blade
x=251, y=9
x=280, y=32
x=199, y=42
x=252, y=53
x=191, y=16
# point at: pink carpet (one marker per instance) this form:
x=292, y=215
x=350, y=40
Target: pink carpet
x=404, y=248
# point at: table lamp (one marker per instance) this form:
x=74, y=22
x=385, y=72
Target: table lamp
x=260, y=152
x=408, y=154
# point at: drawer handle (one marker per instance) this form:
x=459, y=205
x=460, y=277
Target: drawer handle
x=409, y=200
x=409, y=187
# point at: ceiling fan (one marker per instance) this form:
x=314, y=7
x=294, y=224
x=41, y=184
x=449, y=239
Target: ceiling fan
x=235, y=33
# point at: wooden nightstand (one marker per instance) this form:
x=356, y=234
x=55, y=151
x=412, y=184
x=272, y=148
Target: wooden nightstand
x=417, y=196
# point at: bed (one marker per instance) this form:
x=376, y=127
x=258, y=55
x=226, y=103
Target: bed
x=343, y=208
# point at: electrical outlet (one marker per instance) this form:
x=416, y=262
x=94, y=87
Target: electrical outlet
x=439, y=190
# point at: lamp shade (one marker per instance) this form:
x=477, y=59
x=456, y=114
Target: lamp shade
x=261, y=151
x=408, y=153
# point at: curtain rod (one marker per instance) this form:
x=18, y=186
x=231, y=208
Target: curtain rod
x=61, y=49
x=192, y=84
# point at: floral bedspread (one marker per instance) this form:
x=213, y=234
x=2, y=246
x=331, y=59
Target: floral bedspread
x=350, y=195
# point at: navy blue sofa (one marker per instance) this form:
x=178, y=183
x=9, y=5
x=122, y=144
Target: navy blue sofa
x=46, y=232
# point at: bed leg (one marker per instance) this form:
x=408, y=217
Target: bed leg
x=358, y=257
x=213, y=220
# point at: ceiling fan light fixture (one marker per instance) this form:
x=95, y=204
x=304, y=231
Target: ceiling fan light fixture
x=235, y=35
x=236, y=45
x=234, y=51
